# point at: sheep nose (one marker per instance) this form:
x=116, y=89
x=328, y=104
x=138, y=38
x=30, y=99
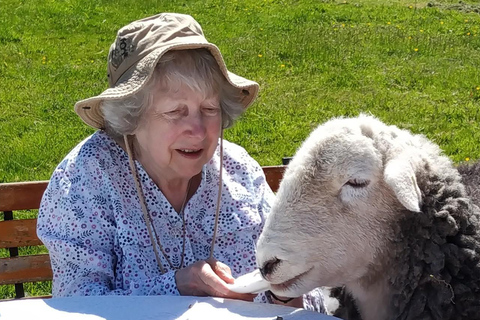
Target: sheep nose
x=269, y=267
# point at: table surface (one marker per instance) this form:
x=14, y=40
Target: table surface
x=149, y=307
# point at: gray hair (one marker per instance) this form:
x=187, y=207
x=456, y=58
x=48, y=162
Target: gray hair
x=195, y=68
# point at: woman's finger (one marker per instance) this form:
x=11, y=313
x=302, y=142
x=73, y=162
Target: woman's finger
x=200, y=279
x=221, y=269
x=217, y=285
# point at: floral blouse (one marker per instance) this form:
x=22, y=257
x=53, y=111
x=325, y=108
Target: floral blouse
x=91, y=221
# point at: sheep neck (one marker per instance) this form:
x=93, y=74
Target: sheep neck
x=374, y=291
x=372, y=301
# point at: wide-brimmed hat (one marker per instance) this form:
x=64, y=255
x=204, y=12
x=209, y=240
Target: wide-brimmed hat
x=137, y=50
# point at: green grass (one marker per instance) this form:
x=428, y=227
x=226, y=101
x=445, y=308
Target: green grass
x=409, y=63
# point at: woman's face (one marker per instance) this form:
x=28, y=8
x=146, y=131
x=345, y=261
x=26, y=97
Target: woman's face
x=178, y=134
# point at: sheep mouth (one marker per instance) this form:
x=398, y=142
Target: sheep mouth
x=289, y=283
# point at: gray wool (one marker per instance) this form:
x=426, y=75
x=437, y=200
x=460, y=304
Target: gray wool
x=435, y=254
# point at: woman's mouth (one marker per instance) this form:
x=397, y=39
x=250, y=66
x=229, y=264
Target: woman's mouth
x=190, y=153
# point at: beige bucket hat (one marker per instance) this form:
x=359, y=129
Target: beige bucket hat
x=136, y=51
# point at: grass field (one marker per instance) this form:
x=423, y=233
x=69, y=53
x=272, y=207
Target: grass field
x=410, y=63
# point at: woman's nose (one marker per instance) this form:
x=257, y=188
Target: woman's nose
x=197, y=127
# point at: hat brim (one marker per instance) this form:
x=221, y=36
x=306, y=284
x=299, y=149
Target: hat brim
x=135, y=78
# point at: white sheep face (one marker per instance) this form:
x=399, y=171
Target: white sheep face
x=331, y=215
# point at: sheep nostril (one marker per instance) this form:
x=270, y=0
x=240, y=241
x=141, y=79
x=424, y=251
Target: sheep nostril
x=269, y=267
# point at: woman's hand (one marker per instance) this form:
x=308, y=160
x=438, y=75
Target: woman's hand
x=208, y=278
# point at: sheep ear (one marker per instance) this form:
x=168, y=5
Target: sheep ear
x=400, y=176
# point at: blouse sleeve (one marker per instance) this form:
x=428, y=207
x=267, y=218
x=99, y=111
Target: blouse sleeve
x=77, y=222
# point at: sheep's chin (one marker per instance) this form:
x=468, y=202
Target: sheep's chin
x=293, y=287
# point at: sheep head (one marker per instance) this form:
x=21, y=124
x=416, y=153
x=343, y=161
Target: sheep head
x=332, y=218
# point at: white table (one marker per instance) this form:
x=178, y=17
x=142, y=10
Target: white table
x=148, y=308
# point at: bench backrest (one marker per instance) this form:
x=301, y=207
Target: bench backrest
x=16, y=232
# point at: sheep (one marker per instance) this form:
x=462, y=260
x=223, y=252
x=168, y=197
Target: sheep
x=381, y=215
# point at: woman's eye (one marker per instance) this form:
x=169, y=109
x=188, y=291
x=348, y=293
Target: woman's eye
x=357, y=183
x=211, y=111
x=173, y=114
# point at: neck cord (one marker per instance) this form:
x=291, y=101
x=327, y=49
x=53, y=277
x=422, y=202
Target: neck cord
x=147, y=218
x=219, y=197
x=142, y=201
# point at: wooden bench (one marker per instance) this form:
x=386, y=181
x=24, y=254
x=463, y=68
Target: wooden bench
x=16, y=232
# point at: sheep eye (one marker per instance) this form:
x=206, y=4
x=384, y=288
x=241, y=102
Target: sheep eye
x=357, y=183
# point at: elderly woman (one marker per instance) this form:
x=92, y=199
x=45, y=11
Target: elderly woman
x=156, y=202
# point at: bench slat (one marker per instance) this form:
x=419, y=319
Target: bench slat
x=19, y=233
x=21, y=195
x=25, y=269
